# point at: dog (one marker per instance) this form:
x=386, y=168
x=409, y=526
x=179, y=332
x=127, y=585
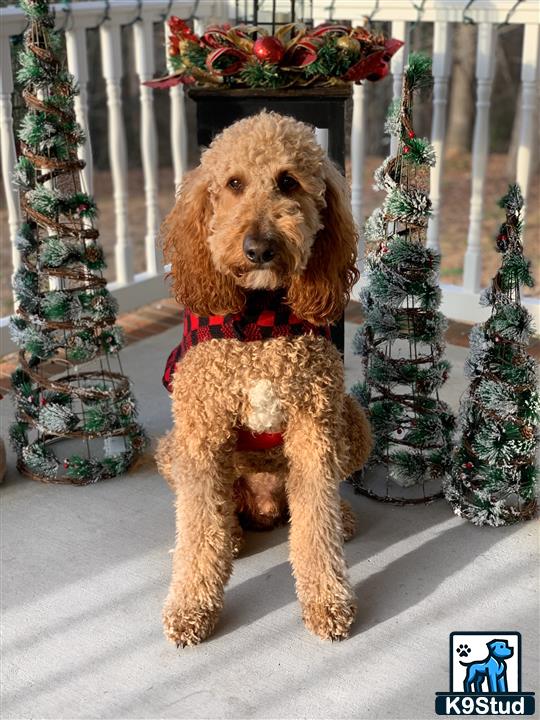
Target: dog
x=492, y=669
x=262, y=246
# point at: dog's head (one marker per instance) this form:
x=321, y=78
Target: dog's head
x=265, y=209
x=499, y=649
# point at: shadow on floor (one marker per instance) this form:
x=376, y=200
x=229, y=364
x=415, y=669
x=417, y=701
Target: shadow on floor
x=384, y=594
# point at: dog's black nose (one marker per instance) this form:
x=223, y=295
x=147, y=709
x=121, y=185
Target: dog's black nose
x=258, y=249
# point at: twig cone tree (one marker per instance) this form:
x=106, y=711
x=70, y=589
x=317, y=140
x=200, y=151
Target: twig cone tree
x=494, y=474
x=65, y=313
x=401, y=341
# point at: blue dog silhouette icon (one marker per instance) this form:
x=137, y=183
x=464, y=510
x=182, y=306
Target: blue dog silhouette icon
x=492, y=669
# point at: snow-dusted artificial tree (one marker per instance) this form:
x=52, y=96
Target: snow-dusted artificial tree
x=401, y=340
x=64, y=312
x=494, y=473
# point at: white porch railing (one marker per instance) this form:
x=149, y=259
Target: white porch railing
x=132, y=290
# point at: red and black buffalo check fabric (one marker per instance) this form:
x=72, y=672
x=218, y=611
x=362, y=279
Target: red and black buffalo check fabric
x=265, y=316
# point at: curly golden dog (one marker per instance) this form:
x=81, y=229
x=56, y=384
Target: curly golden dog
x=265, y=212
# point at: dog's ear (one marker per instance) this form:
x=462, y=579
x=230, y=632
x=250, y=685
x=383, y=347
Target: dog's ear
x=321, y=293
x=195, y=281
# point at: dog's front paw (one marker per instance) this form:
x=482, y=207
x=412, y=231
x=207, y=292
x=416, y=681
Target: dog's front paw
x=329, y=620
x=188, y=624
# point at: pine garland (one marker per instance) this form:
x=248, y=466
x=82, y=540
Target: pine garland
x=297, y=55
x=494, y=471
x=264, y=75
x=401, y=341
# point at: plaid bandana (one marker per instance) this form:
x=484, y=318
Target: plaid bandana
x=265, y=316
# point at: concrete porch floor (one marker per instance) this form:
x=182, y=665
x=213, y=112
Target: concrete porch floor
x=85, y=572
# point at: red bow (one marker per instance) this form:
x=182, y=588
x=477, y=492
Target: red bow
x=376, y=66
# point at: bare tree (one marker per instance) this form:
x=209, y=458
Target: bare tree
x=461, y=114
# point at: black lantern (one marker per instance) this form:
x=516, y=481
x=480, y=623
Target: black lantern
x=273, y=14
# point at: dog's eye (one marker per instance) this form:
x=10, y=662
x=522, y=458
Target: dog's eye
x=235, y=184
x=286, y=183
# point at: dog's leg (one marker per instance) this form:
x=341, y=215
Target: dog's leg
x=316, y=534
x=237, y=535
x=491, y=676
x=348, y=521
x=206, y=529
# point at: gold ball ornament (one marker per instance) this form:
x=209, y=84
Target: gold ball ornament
x=348, y=44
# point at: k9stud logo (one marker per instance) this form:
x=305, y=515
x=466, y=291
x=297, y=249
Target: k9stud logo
x=485, y=676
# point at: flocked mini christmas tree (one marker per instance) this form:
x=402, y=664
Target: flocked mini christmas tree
x=494, y=474
x=64, y=312
x=401, y=340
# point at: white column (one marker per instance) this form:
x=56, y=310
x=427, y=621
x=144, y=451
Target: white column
x=111, y=61
x=321, y=135
x=144, y=65
x=529, y=89
x=358, y=155
x=78, y=66
x=397, y=63
x=7, y=144
x=442, y=58
x=178, y=128
x=485, y=63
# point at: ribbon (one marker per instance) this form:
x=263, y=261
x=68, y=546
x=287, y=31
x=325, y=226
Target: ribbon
x=226, y=52
x=376, y=66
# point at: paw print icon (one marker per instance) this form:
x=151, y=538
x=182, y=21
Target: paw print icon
x=463, y=650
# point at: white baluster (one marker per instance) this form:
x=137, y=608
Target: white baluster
x=442, y=56
x=7, y=143
x=485, y=63
x=144, y=64
x=321, y=135
x=199, y=26
x=358, y=155
x=111, y=61
x=178, y=127
x=529, y=71
x=78, y=66
x=398, y=62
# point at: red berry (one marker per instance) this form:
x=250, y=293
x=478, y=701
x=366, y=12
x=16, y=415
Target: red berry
x=406, y=149
x=411, y=134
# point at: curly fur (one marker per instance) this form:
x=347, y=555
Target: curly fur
x=297, y=383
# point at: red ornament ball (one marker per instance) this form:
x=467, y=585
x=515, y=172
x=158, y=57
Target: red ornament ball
x=411, y=134
x=468, y=465
x=66, y=463
x=406, y=149
x=268, y=49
